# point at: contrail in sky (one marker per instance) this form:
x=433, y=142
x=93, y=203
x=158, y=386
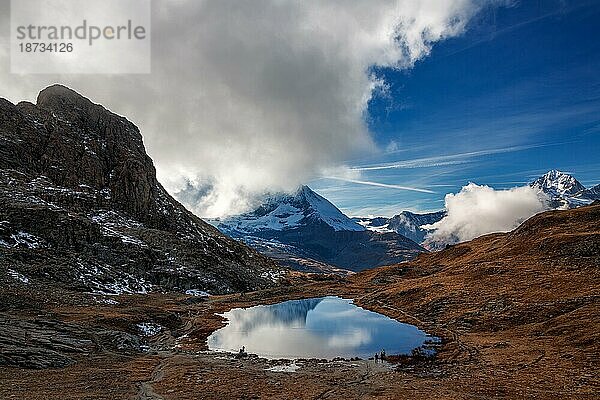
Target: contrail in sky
x=385, y=185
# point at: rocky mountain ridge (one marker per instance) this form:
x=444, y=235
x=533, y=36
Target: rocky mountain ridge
x=80, y=204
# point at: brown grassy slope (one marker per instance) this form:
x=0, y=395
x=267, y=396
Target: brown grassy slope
x=524, y=304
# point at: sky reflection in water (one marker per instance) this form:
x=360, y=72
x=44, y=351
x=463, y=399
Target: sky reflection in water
x=325, y=327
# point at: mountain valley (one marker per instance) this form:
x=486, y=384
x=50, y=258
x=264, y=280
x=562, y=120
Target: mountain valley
x=110, y=288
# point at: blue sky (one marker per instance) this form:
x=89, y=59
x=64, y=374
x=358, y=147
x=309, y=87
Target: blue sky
x=516, y=95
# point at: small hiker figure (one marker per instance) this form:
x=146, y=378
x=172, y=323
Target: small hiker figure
x=376, y=357
x=242, y=352
x=382, y=354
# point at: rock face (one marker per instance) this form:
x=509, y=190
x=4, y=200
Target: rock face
x=80, y=204
x=40, y=343
x=304, y=230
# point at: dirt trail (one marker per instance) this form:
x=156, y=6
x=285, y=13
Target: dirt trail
x=146, y=391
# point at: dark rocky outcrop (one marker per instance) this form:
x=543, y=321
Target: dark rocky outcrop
x=40, y=343
x=80, y=205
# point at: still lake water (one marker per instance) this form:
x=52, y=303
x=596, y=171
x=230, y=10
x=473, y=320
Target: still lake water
x=326, y=327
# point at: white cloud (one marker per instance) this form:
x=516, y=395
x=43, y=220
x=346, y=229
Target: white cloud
x=477, y=210
x=253, y=96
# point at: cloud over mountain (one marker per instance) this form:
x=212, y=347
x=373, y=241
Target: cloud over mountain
x=246, y=97
x=477, y=210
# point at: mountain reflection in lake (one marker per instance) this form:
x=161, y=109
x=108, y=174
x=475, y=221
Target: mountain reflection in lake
x=326, y=327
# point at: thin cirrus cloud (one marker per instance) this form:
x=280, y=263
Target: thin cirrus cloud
x=445, y=160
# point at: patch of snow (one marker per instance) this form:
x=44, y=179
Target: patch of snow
x=115, y=219
x=28, y=240
x=149, y=328
x=289, y=368
x=180, y=339
x=105, y=193
x=17, y=276
x=103, y=300
x=117, y=288
x=103, y=280
x=591, y=194
x=381, y=229
x=197, y=293
x=131, y=240
x=272, y=275
x=111, y=222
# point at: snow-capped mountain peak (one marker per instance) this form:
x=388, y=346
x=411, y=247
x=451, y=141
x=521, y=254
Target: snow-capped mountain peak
x=555, y=182
x=305, y=231
x=320, y=208
x=287, y=211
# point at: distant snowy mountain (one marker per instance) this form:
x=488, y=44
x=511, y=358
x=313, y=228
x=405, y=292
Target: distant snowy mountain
x=290, y=211
x=305, y=231
x=559, y=183
x=406, y=223
x=409, y=224
x=563, y=190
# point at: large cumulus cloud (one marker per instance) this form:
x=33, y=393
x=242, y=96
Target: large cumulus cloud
x=249, y=96
x=477, y=210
